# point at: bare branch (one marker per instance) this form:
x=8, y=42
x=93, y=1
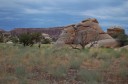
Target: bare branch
x=84, y=37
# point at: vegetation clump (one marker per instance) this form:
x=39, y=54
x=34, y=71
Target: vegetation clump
x=46, y=65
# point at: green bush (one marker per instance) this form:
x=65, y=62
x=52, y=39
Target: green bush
x=1, y=38
x=58, y=72
x=20, y=71
x=25, y=39
x=28, y=39
x=89, y=76
x=15, y=40
x=46, y=41
x=75, y=63
x=123, y=39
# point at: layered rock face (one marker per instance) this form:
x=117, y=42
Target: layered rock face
x=93, y=23
x=115, y=31
x=68, y=34
x=52, y=32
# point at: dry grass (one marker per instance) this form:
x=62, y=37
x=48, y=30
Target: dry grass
x=47, y=65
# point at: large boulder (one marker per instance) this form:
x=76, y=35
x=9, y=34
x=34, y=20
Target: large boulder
x=107, y=43
x=93, y=23
x=115, y=31
x=68, y=34
x=46, y=38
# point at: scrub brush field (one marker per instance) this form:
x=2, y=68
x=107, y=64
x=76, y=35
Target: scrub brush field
x=50, y=65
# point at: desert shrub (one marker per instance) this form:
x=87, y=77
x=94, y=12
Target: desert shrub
x=93, y=53
x=20, y=71
x=123, y=39
x=116, y=54
x=1, y=38
x=15, y=40
x=46, y=41
x=112, y=53
x=54, y=39
x=123, y=70
x=124, y=52
x=8, y=79
x=43, y=82
x=25, y=39
x=58, y=62
x=105, y=54
x=23, y=81
x=36, y=37
x=89, y=76
x=75, y=63
x=28, y=39
x=106, y=64
x=58, y=72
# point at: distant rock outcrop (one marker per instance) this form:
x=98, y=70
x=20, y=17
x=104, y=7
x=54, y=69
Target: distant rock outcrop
x=4, y=36
x=46, y=36
x=69, y=31
x=2, y=31
x=115, y=31
x=52, y=32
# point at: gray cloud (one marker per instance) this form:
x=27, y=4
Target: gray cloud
x=62, y=12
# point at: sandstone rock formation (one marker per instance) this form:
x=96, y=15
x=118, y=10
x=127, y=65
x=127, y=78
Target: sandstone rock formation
x=93, y=23
x=107, y=43
x=68, y=34
x=46, y=36
x=115, y=31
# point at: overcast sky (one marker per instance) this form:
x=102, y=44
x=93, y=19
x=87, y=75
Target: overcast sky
x=52, y=13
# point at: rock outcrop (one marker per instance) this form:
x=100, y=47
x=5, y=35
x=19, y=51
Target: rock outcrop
x=69, y=32
x=52, y=32
x=115, y=31
x=46, y=36
x=93, y=23
x=107, y=43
